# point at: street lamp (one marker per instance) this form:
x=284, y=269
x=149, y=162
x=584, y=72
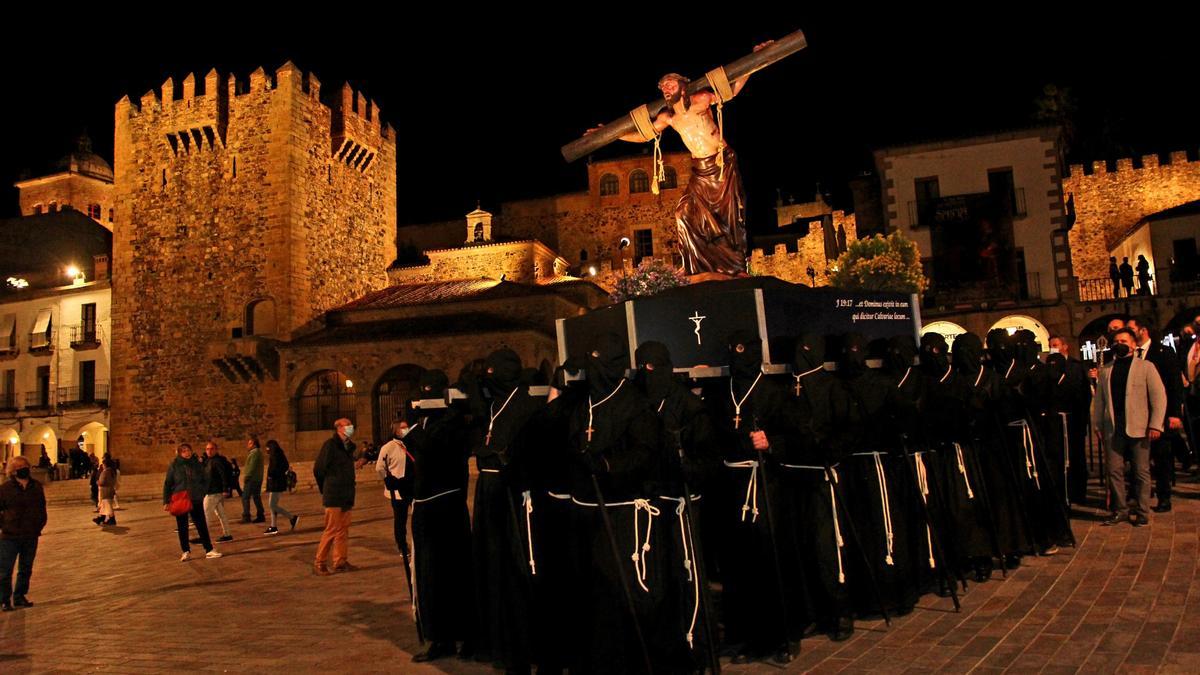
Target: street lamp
x=812, y=276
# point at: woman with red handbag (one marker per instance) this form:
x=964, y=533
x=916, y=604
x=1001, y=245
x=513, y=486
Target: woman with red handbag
x=183, y=494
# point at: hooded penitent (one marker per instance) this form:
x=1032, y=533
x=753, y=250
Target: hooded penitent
x=654, y=374
x=606, y=364
x=968, y=353
x=902, y=352
x=433, y=384
x=810, y=353
x=745, y=355
x=503, y=371
x=854, y=355
x=935, y=357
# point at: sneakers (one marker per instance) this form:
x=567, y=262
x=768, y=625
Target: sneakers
x=272, y=530
x=226, y=537
x=213, y=554
x=187, y=555
x=295, y=519
x=321, y=570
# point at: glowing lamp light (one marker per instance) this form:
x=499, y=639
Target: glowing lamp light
x=46, y=435
x=592, y=270
x=1169, y=340
x=1012, y=330
x=17, y=282
x=72, y=271
x=349, y=384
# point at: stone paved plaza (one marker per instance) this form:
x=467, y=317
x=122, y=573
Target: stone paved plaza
x=119, y=600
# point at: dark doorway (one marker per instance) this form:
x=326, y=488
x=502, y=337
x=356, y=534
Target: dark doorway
x=393, y=393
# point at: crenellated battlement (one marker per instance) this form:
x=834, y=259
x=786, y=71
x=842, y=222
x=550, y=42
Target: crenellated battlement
x=1125, y=165
x=195, y=116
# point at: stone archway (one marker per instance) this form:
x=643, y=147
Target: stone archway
x=34, y=439
x=947, y=329
x=391, y=395
x=1015, y=322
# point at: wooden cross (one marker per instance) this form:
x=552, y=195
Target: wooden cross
x=737, y=420
x=798, y=387
x=487, y=440
x=589, y=431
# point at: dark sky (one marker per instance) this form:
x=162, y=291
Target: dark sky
x=484, y=100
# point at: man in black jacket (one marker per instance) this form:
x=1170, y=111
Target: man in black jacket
x=22, y=517
x=1169, y=371
x=334, y=471
x=220, y=478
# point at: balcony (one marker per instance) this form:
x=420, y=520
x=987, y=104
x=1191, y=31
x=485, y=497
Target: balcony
x=8, y=402
x=1165, y=281
x=966, y=208
x=245, y=359
x=42, y=343
x=73, y=397
x=941, y=297
x=9, y=349
x=85, y=336
x=38, y=400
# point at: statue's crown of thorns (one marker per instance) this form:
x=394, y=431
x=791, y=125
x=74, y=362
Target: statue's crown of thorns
x=673, y=76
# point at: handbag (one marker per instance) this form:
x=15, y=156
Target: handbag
x=180, y=504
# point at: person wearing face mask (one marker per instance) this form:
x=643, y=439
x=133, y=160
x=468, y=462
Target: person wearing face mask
x=754, y=418
x=690, y=459
x=1131, y=404
x=1162, y=454
x=22, y=517
x=1076, y=400
x=441, y=525
x=501, y=409
x=392, y=467
x=614, y=442
x=334, y=473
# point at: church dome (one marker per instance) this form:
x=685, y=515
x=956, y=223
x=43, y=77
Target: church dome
x=83, y=161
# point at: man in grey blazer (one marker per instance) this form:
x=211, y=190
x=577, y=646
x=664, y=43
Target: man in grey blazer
x=1131, y=405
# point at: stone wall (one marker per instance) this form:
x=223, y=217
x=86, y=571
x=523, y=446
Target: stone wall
x=522, y=261
x=239, y=192
x=67, y=191
x=810, y=251
x=1108, y=203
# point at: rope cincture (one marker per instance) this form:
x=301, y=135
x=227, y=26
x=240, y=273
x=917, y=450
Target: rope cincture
x=719, y=81
x=885, y=505
x=923, y=484
x=527, y=502
x=645, y=127
x=640, y=547
x=837, y=528
x=1031, y=471
x=685, y=535
x=962, y=468
x=751, y=503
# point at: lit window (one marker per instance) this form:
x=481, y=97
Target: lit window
x=323, y=399
x=670, y=179
x=638, y=182
x=609, y=185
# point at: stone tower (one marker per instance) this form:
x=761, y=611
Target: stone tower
x=244, y=210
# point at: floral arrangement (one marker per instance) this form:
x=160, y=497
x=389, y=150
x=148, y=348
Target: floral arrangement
x=890, y=263
x=650, y=277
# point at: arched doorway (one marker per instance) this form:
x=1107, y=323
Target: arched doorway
x=947, y=329
x=10, y=444
x=323, y=398
x=37, y=438
x=393, y=392
x=90, y=436
x=1016, y=322
x=1097, y=327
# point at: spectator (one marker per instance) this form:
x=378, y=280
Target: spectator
x=22, y=517
x=1114, y=273
x=107, y=482
x=1167, y=365
x=236, y=473
x=277, y=484
x=1143, y=273
x=1127, y=276
x=334, y=471
x=219, y=476
x=186, y=475
x=1131, y=404
x=252, y=483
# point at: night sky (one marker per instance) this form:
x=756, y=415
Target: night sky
x=483, y=101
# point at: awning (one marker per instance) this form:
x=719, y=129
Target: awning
x=7, y=326
x=42, y=325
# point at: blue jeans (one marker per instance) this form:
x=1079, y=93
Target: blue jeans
x=11, y=550
x=273, y=500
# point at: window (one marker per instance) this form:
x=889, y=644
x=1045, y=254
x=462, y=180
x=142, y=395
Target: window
x=87, y=381
x=42, y=330
x=42, y=394
x=260, y=317
x=927, y=194
x=477, y=235
x=643, y=245
x=609, y=185
x=110, y=215
x=94, y=211
x=638, y=182
x=87, y=321
x=1003, y=190
x=583, y=255
x=670, y=179
x=8, y=333
x=8, y=398
x=325, y=397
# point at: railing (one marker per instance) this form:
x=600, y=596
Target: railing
x=1028, y=290
x=87, y=334
x=38, y=400
x=9, y=347
x=1106, y=289
x=96, y=394
x=42, y=342
x=924, y=212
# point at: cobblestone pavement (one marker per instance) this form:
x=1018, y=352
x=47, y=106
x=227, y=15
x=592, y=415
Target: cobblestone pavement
x=119, y=600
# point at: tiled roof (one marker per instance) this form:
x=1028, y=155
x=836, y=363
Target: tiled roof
x=407, y=295
x=415, y=327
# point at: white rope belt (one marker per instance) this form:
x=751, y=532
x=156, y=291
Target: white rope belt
x=440, y=494
x=558, y=496
x=923, y=486
x=751, y=502
x=685, y=536
x=489, y=471
x=640, y=547
x=1028, y=446
x=1066, y=442
x=837, y=528
x=885, y=504
x=962, y=469
x=527, y=500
